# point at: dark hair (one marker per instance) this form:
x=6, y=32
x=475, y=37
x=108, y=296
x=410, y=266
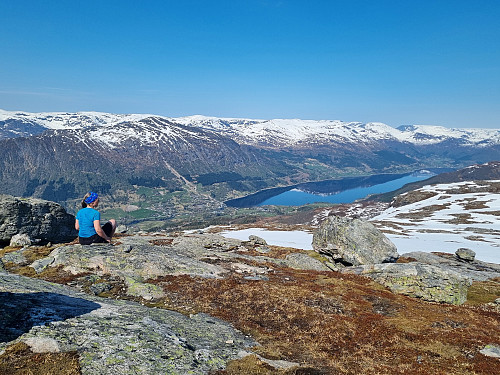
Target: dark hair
x=83, y=200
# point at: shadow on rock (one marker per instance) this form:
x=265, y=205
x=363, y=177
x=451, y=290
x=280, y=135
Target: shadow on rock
x=21, y=311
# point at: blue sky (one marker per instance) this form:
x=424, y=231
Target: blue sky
x=398, y=62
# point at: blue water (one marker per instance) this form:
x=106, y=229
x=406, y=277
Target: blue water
x=297, y=198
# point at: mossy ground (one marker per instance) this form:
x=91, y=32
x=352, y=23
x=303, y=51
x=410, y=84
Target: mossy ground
x=330, y=323
x=18, y=359
x=342, y=324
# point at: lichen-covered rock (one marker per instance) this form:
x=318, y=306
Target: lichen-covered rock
x=303, y=261
x=113, y=336
x=38, y=219
x=256, y=240
x=430, y=283
x=353, y=242
x=20, y=239
x=475, y=270
x=465, y=254
x=491, y=351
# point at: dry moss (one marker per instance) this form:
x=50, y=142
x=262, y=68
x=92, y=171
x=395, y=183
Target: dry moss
x=18, y=359
x=481, y=292
x=346, y=324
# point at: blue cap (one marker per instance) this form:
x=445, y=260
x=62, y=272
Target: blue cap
x=92, y=198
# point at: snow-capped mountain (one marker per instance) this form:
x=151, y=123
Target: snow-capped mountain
x=263, y=133
x=25, y=124
x=293, y=132
x=59, y=155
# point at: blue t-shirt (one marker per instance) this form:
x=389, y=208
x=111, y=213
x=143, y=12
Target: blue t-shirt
x=86, y=217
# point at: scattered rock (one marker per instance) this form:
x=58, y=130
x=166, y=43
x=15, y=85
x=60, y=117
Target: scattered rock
x=20, y=239
x=121, y=229
x=17, y=257
x=497, y=301
x=491, y=351
x=256, y=240
x=353, y=242
x=41, y=264
x=36, y=218
x=303, y=261
x=430, y=283
x=127, y=248
x=143, y=290
x=262, y=249
x=42, y=345
x=465, y=254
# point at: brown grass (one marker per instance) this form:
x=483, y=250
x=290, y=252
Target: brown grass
x=18, y=359
x=345, y=324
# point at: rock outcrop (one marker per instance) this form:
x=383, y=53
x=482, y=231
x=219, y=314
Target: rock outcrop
x=353, y=242
x=430, y=283
x=475, y=270
x=113, y=336
x=38, y=219
x=433, y=277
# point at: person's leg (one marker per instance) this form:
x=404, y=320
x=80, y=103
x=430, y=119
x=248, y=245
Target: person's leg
x=113, y=223
x=109, y=228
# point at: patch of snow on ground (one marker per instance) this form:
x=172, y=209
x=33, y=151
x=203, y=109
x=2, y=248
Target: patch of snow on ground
x=295, y=239
x=446, y=222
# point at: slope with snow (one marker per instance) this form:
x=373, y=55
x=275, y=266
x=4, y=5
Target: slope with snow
x=270, y=133
x=447, y=217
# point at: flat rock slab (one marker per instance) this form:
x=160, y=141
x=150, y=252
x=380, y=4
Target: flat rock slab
x=428, y=282
x=113, y=336
x=475, y=270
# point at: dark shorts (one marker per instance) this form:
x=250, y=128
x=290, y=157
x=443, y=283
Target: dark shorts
x=107, y=228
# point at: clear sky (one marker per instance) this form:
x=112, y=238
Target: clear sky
x=398, y=62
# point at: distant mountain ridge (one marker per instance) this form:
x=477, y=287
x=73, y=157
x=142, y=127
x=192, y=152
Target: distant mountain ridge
x=59, y=156
x=276, y=132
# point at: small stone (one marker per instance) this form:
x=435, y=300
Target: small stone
x=20, y=239
x=465, y=254
x=262, y=249
x=121, y=228
x=127, y=248
x=42, y=345
x=491, y=351
x=41, y=264
x=497, y=301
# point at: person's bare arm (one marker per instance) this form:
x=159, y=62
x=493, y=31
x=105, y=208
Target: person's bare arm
x=100, y=232
x=77, y=225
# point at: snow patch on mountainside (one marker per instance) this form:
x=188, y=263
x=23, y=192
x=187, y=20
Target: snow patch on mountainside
x=462, y=214
x=63, y=120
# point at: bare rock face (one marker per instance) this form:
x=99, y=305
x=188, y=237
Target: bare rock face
x=111, y=336
x=429, y=282
x=36, y=218
x=353, y=242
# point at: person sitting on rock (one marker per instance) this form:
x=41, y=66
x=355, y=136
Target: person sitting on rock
x=88, y=222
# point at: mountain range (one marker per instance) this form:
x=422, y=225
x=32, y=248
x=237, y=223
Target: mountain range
x=59, y=156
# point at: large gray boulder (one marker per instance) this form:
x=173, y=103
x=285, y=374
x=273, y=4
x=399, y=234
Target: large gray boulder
x=114, y=336
x=425, y=281
x=38, y=219
x=353, y=242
